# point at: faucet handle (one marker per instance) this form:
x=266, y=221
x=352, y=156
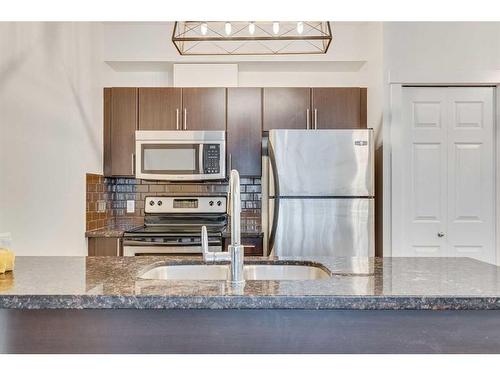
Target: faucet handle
x=210, y=256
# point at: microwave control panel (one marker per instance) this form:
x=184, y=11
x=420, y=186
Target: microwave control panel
x=211, y=158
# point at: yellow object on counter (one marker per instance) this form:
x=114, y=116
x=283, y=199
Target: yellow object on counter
x=7, y=260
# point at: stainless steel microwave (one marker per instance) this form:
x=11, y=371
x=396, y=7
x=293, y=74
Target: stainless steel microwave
x=180, y=155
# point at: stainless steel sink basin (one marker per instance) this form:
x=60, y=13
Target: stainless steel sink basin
x=283, y=272
x=221, y=272
x=188, y=272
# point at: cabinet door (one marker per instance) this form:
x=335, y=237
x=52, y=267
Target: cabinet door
x=160, y=108
x=339, y=108
x=244, y=130
x=204, y=108
x=286, y=108
x=104, y=247
x=123, y=124
x=107, y=132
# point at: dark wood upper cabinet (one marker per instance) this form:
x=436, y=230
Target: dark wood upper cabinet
x=204, y=108
x=160, y=108
x=120, y=124
x=244, y=130
x=339, y=107
x=286, y=108
x=107, y=132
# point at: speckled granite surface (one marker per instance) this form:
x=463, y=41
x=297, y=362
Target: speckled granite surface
x=356, y=283
x=116, y=229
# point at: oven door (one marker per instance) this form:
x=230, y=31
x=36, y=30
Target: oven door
x=168, y=246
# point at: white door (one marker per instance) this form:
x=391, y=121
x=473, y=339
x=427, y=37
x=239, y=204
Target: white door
x=445, y=206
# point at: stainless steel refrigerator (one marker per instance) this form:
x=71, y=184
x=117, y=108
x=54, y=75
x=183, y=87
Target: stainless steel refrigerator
x=318, y=193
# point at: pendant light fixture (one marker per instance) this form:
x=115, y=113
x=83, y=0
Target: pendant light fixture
x=252, y=37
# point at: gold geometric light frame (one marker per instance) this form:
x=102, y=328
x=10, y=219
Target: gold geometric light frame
x=204, y=38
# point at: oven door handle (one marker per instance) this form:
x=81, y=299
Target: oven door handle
x=180, y=244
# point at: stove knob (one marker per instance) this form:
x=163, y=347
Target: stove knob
x=211, y=203
x=151, y=203
x=219, y=203
x=160, y=203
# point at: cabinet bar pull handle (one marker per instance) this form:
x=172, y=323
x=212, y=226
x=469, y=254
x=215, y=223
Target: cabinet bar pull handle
x=308, y=125
x=177, y=118
x=315, y=118
x=185, y=118
x=133, y=163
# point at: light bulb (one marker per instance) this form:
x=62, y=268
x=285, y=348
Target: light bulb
x=227, y=28
x=203, y=28
x=251, y=28
x=276, y=27
x=300, y=27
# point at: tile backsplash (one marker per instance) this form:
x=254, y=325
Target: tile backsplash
x=114, y=192
x=97, y=194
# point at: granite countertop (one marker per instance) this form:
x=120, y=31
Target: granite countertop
x=116, y=229
x=355, y=283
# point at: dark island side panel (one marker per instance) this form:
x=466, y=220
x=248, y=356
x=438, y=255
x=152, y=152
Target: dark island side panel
x=245, y=331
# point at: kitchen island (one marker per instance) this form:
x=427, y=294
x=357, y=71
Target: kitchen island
x=367, y=305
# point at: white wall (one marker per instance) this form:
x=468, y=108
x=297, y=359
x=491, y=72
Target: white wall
x=438, y=48
x=50, y=132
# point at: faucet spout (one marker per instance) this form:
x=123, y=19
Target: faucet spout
x=236, y=250
x=235, y=207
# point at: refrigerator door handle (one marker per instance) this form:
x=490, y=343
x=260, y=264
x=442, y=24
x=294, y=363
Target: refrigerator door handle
x=274, y=225
x=274, y=172
x=273, y=169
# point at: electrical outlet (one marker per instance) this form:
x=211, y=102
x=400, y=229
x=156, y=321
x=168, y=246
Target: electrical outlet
x=101, y=206
x=130, y=206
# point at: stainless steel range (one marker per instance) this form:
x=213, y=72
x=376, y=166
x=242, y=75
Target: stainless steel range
x=172, y=225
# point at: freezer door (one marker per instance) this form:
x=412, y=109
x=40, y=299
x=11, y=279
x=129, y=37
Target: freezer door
x=321, y=162
x=322, y=227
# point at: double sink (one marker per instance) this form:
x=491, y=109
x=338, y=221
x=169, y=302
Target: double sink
x=250, y=272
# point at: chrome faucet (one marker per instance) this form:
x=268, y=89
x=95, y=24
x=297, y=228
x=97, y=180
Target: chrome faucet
x=235, y=252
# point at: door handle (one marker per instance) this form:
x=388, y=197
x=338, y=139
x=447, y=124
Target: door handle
x=308, y=120
x=185, y=118
x=315, y=118
x=440, y=234
x=177, y=118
